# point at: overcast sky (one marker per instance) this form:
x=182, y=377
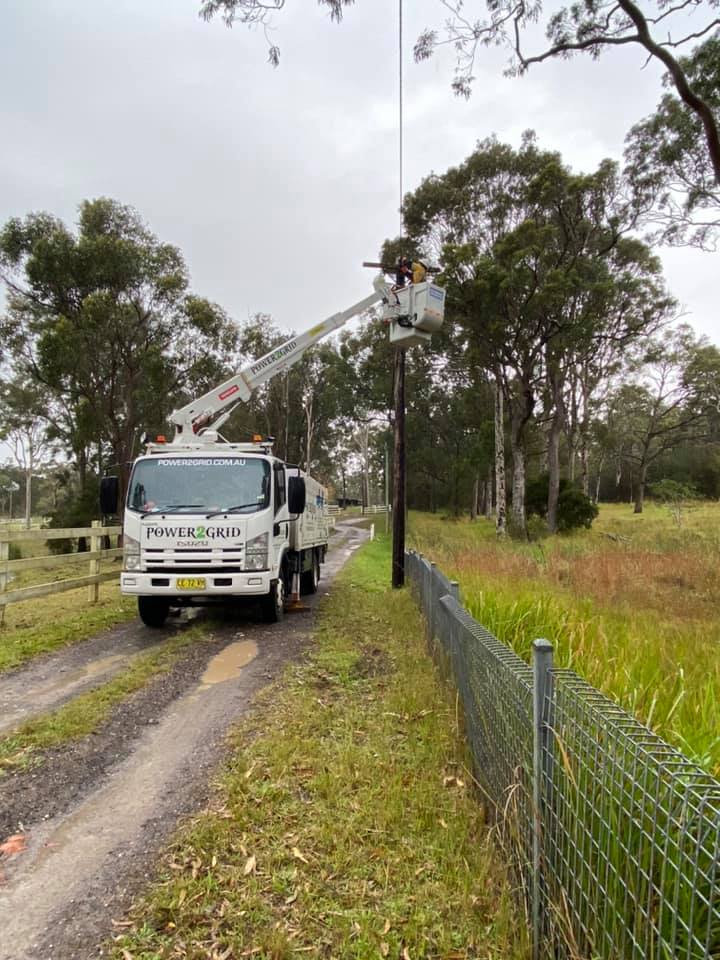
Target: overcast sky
x=277, y=183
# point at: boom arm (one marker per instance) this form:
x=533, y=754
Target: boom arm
x=213, y=409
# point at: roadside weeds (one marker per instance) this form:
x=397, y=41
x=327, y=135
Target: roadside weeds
x=345, y=824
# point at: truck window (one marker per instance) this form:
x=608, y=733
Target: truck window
x=279, y=477
x=198, y=484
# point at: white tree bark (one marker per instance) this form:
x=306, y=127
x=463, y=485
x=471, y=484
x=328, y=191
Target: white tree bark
x=501, y=503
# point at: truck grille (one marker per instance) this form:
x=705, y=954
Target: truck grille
x=221, y=560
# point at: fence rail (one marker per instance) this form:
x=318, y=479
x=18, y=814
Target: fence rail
x=93, y=557
x=334, y=510
x=613, y=834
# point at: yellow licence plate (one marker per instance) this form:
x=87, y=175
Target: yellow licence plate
x=190, y=583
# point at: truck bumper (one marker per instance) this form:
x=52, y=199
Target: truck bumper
x=217, y=585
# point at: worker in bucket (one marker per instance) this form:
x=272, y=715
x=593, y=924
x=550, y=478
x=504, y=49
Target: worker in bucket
x=403, y=273
x=409, y=271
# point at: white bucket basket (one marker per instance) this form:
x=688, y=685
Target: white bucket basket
x=418, y=312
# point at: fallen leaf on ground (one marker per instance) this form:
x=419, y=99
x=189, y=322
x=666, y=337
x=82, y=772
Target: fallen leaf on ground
x=13, y=845
x=298, y=855
x=453, y=782
x=384, y=948
x=250, y=865
x=386, y=928
x=406, y=954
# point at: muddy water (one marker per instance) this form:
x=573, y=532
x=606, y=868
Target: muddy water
x=229, y=662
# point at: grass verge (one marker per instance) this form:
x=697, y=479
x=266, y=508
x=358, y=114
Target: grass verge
x=86, y=713
x=631, y=615
x=40, y=626
x=345, y=826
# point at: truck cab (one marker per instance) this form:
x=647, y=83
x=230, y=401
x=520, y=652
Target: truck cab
x=214, y=522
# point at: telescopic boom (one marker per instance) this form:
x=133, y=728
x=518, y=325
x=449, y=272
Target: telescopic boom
x=213, y=409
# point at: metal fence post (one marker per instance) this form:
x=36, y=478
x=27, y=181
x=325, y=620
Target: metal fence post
x=95, y=547
x=455, y=590
x=542, y=691
x=433, y=600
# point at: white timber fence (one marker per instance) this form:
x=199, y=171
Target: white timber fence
x=9, y=568
x=334, y=510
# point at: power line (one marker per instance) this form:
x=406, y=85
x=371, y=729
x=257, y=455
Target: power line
x=400, y=100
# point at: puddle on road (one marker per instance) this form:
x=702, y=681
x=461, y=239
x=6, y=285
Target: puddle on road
x=228, y=664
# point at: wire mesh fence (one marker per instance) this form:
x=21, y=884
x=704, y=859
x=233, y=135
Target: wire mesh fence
x=614, y=835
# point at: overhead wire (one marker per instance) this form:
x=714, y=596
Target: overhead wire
x=400, y=102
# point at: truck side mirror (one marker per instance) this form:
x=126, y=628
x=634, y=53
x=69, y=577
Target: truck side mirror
x=296, y=494
x=109, y=493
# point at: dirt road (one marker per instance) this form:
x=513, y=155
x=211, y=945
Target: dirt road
x=96, y=812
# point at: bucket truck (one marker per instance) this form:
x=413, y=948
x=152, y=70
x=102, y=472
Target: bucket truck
x=206, y=520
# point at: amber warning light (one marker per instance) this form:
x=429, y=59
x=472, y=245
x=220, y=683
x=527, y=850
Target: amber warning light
x=160, y=439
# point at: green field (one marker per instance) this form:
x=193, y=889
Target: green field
x=631, y=605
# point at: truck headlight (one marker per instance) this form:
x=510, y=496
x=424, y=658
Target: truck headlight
x=131, y=553
x=256, y=553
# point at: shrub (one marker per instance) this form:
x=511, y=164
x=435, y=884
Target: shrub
x=672, y=491
x=575, y=510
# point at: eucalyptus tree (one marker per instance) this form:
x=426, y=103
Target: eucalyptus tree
x=592, y=27
x=24, y=428
x=543, y=279
x=102, y=323
x=463, y=218
x=669, y=400
x=668, y=161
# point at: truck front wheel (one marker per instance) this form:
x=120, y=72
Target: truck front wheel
x=274, y=602
x=153, y=610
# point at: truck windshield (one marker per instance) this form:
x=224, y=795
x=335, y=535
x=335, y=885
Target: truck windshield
x=199, y=485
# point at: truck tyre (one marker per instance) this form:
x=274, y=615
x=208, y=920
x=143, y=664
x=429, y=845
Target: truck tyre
x=274, y=602
x=153, y=610
x=310, y=579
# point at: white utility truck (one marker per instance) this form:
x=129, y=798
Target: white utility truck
x=207, y=520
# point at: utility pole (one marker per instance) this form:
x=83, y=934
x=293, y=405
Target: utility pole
x=398, y=510
x=387, y=488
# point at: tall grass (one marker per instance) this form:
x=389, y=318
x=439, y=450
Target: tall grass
x=629, y=605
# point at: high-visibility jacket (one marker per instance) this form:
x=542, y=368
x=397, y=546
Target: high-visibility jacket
x=418, y=272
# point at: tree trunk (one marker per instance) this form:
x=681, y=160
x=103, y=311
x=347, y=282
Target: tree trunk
x=584, y=467
x=475, y=497
x=28, y=495
x=310, y=426
x=286, y=425
x=556, y=427
x=553, y=474
x=518, y=487
x=489, y=494
x=501, y=503
x=601, y=463
x=640, y=493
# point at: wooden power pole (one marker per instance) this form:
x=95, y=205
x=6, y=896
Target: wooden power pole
x=398, y=501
